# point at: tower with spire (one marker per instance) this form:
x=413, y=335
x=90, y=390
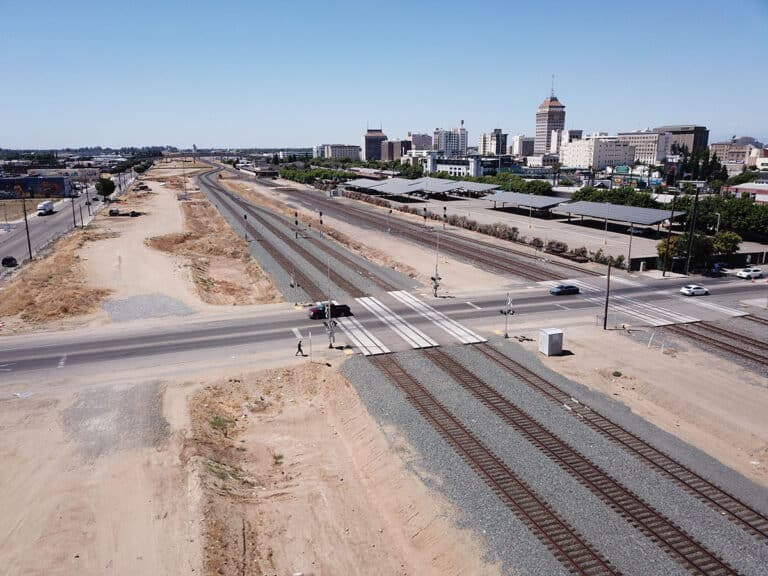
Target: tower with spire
x=550, y=116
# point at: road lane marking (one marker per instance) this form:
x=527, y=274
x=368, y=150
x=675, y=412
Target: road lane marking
x=412, y=335
x=475, y=306
x=297, y=333
x=62, y=361
x=462, y=334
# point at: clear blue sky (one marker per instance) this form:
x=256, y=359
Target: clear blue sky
x=254, y=73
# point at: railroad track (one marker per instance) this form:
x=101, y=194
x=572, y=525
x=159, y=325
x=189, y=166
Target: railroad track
x=686, y=330
x=757, y=319
x=323, y=246
x=748, y=519
x=312, y=290
x=742, y=338
x=498, y=259
x=671, y=538
x=564, y=541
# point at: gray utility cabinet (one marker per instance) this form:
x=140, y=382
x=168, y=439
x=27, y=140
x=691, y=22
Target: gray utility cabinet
x=551, y=341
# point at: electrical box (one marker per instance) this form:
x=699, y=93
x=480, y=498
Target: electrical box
x=551, y=341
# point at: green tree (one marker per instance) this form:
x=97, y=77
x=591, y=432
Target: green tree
x=726, y=242
x=104, y=187
x=743, y=178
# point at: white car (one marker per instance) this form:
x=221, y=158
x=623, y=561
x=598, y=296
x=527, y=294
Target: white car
x=750, y=273
x=694, y=290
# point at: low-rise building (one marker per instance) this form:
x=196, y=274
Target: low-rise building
x=650, y=147
x=596, y=152
x=337, y=151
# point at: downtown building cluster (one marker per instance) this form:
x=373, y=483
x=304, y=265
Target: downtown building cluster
x=552, y=146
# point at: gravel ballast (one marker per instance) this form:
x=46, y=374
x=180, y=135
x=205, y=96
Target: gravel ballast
x=626, y=547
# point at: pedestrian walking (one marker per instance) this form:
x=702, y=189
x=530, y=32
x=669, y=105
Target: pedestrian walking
x=299, y=350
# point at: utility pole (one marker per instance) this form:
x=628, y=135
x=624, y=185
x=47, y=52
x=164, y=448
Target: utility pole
x=20, y=190
x=329, y=317
x=669, y=235
x=74, y=220
x=82, y=223
x=507, y=311
x=629, y=251
x=691, y=233
x=607, y=292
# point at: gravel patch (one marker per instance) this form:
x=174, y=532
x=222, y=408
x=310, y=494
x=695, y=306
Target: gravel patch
x=145, y=306
x=103, y=420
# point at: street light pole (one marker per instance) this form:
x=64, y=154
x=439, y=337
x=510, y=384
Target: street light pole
x=629, y=251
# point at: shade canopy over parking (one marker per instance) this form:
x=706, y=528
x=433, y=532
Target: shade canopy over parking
x=420, y=186
x=536, y=201
x=616, y=212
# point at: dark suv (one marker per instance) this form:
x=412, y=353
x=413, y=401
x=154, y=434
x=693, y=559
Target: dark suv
x=318, y=311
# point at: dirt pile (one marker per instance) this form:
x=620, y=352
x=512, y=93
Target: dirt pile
x=368, y=252
x=222, y=269
x=53, y=287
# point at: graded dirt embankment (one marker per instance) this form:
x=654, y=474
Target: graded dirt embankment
x=297, y=477
x=222, y=269
x=52, y=288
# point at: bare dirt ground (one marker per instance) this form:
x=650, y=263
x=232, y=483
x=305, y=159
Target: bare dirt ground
x=297, y=478
x=93, y=483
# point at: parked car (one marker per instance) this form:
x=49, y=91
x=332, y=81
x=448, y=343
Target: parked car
x=10, y=262
x=564, y=290
x=318, y=311
x=749, y=273
x=716, y=270
x=694, y=290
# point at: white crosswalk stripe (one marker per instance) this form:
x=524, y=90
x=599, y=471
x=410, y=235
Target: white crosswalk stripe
x=625, y=281
x=412, y=335
x=365, y=341
x=462, y=334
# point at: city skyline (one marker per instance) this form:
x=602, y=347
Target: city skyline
x=171, y=74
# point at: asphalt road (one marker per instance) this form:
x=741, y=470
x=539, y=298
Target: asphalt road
x=186, y=339
x=44, y=229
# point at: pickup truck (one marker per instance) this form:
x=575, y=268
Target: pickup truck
x=45, y=208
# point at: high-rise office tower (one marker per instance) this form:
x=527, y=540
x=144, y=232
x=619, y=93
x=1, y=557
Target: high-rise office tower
x=371, y=145
x=550, y=116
